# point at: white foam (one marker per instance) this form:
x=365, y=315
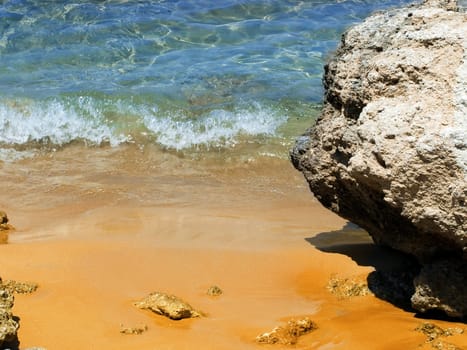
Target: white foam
x=217, y=129
x=59, y=122
x=53, y=121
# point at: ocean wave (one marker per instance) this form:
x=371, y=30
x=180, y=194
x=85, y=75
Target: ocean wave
x=219, y=128
x=31, y=124
x=52, y=122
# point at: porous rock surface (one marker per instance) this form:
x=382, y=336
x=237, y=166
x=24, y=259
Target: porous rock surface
x=389, y=151
x=168, y=305
x=8, y=324
x=288, y=334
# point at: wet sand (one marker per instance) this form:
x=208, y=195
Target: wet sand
x=101, y=232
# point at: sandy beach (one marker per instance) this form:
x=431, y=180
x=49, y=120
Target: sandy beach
x=100, y=230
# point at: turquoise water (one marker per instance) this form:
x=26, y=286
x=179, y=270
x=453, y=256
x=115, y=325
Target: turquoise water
x=184, y=75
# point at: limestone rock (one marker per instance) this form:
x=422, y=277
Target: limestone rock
x=288, y=334
x=168, y=305
x=389, y=151
x=442, y=286
x=8, y=324
x=20, y=287
x=346, y=287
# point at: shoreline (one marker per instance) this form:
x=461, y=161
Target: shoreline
x=107, y=243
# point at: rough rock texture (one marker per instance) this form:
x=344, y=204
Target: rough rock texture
x=288, y=334
x=433, y=334
x=8, y=324
x=346, y=287
x=389, y=151
x=168, y=305
x=19, y=287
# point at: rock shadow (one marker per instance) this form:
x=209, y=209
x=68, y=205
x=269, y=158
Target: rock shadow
x=392, y=279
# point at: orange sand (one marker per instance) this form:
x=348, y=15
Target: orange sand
x=95, y=248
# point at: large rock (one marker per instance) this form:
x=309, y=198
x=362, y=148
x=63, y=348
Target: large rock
x=389, y=151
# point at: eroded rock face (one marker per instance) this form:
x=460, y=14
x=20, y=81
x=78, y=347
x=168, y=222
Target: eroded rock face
x=389, y=151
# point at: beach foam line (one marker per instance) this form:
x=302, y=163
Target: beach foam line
x=57, y=122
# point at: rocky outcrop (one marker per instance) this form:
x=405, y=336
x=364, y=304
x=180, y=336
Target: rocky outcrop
x=389, y=151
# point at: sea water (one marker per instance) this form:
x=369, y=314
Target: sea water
x=188, y=76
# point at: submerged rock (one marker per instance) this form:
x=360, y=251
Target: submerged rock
x=168, y=305
x=3, y=217
x=5, y=227
x=288, y=334
x=389, y=151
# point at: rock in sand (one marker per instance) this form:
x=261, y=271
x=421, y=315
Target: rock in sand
x=168, y=305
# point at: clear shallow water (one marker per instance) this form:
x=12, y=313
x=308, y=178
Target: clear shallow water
x=186, y=75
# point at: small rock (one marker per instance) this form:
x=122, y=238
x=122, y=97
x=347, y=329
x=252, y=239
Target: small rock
x=3, y=217
x=433, y=332
x=347, y=287
x=133, y=330
x=288, y=334
x=214, y=291
x=5, y=227
x=168, y=305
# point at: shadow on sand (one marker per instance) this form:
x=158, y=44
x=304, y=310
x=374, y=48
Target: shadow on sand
x=394, y=271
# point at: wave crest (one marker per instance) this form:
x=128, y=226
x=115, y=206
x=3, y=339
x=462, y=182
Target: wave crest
x=99, y=121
